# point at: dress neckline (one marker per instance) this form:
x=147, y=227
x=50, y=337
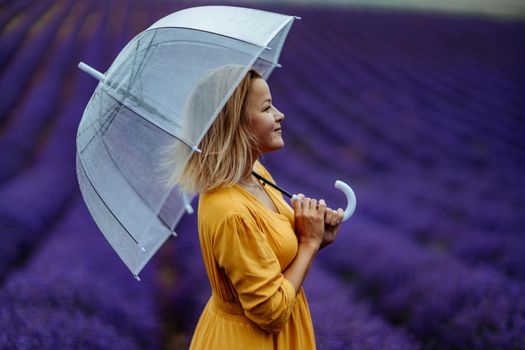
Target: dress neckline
x=258, y=201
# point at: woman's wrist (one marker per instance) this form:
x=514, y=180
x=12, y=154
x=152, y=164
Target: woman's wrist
x=310, y=245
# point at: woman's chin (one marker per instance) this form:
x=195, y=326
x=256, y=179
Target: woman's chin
x=275, y=147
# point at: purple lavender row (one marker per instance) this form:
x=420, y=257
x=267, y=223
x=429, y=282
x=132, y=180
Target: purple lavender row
x=32, y=201
x=342, y=323
x=11, y=39
x=460, y=125
x=489, y=46
x=445, y=304
x=18, y=73
x=76, y=293
x=38, y=108
x=380, y=66
x=440, y=231
x=479, y=42
x=11, y=11
x=353, y=53
x=338, y=131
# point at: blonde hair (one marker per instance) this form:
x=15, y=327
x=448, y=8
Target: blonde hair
x=229, y=144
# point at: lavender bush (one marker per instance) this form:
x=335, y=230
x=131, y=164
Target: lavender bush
x=430, y=293
x=17, y=75
x=76, y=276
x=342, y=323
x=38, y=109
x=33, y=200
x=13, y=38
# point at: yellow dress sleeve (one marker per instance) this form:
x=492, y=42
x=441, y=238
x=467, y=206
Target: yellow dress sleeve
x=241, y=249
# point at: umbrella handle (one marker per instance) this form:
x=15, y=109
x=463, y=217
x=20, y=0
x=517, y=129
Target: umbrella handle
x=350, y=197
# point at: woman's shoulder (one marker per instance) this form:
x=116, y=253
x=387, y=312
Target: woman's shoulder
x=223, y=203
x=229, y=202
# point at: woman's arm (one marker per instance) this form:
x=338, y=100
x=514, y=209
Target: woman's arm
x=242, y=251
x=296, y=272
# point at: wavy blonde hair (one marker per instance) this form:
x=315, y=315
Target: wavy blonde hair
x=229, y=145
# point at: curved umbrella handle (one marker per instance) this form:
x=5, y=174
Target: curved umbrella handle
x=350, y=197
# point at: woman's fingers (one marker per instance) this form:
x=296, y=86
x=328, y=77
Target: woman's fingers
x=297, y=202
x=306, y=204
x=336, y=218
x=333, y=217
x=322, y=206
x=303, y=204
x=341, y=214
x=328, y=216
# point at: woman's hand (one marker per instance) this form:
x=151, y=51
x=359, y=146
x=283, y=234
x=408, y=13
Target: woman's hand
x=332, y=224
x=309, y=220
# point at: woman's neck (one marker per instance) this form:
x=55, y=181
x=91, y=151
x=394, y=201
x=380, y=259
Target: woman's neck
x=249, y=179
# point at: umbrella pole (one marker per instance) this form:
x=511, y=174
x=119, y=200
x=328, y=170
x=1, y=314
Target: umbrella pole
x=282, y=190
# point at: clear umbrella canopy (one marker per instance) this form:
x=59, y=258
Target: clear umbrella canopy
x=150, y=111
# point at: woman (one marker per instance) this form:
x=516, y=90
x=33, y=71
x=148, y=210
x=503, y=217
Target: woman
x=256, y=248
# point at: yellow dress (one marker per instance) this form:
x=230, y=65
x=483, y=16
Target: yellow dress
x=246, y=247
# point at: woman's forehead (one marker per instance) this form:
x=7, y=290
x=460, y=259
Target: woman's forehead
x=260, y=91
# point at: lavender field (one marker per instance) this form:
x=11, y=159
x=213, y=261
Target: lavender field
x=421, y=113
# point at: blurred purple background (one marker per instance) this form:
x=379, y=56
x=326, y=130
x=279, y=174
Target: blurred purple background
x=422, y=113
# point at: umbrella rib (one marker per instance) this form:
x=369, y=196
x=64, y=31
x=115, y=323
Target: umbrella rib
x=104, y=125
x=104, y=202
x=180, y=138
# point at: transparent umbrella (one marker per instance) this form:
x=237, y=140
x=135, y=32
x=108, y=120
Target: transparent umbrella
x=151, y=109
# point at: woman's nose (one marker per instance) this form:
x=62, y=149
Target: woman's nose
x=279, y=115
